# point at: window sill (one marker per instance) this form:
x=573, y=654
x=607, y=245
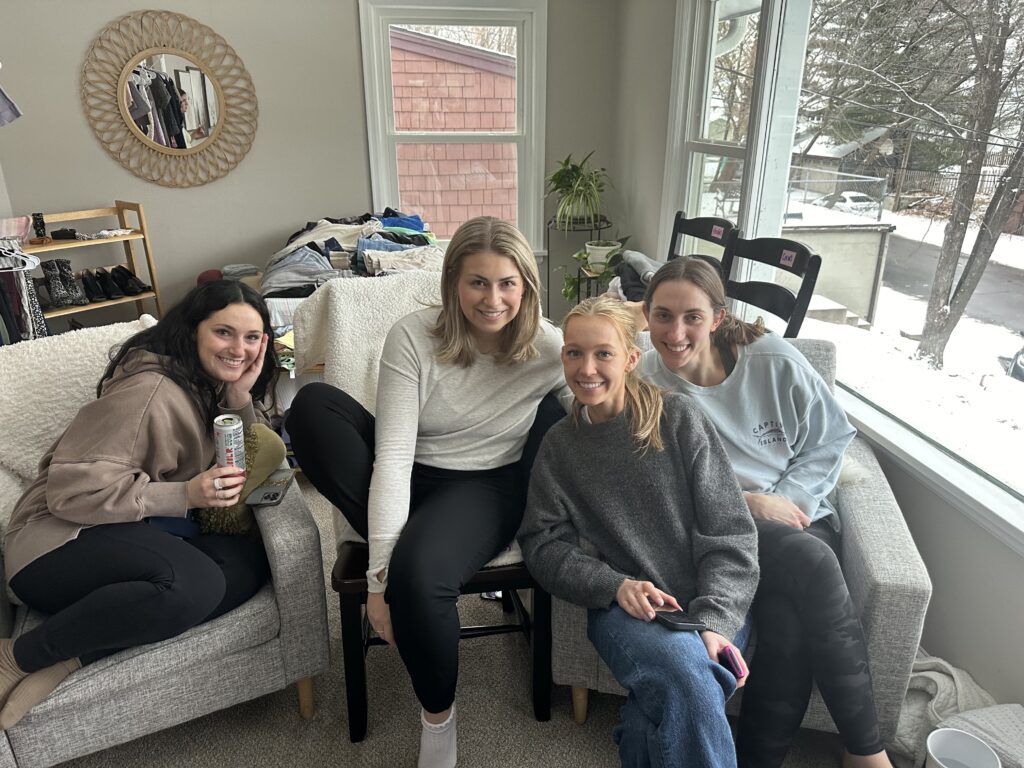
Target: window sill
x=990, y=506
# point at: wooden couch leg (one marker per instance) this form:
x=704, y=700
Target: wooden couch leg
x=579, y=704
x=307, y=704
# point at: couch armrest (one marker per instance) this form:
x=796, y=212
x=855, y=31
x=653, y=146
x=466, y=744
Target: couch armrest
x=292, y=540
x=886, y=577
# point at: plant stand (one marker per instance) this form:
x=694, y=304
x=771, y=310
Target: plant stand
x=593, y=231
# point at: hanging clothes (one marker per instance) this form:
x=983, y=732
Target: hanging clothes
x=9, y=111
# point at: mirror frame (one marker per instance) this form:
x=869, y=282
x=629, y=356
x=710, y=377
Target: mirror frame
x=108, y=63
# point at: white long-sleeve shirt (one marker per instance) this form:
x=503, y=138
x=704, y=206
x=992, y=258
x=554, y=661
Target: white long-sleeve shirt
x=445, y=416
x=782, y=428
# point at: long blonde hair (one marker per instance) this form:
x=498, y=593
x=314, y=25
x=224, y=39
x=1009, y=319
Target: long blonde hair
x=731, y=330
x=644, y=402
x=481, y=235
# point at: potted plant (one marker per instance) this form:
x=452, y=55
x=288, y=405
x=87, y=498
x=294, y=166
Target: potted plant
x=579, y=188
x=597, y=259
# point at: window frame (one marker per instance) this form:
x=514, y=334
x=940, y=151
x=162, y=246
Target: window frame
x=530, y=19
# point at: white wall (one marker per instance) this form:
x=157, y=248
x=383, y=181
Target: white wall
x=5, y=199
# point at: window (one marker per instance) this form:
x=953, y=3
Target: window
x=455, y=110
x=847, y=154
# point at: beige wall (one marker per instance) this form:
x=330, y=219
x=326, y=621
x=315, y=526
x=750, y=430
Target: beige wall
x=309, y=157
x=976, y=616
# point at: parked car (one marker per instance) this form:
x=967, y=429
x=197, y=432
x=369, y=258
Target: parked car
x=1016, y=366
x=851, y=202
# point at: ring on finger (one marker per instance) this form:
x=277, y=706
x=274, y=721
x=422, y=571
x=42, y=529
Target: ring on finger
x=216, y=483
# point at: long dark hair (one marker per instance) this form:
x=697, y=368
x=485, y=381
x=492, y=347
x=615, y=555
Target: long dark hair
x=174, y=337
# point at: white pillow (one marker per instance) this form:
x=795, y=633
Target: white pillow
x=44, y=383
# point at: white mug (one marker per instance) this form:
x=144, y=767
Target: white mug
x=953, y=748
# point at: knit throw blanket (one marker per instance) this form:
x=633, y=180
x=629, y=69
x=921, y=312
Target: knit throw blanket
x=344, y=323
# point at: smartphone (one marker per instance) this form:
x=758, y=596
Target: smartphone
x=679, y=620
x=730, y=658
x=273, y=489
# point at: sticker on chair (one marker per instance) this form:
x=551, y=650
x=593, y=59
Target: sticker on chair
x=787, y=258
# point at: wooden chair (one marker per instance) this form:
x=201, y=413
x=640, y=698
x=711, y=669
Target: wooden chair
x=348, y=579
x=788, y=255
x=709, y=228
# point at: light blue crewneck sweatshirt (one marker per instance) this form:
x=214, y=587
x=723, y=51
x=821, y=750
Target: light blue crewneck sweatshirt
x=783, y=430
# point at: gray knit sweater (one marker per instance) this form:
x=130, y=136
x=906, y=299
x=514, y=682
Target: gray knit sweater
x=599, y=512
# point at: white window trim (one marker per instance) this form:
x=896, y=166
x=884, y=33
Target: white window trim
x=779, y=70
x=983, y=501
x=530, y=16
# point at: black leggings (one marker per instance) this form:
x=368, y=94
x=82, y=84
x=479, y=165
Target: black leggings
x=807, y=631
x=458, y=521
x=126, y=584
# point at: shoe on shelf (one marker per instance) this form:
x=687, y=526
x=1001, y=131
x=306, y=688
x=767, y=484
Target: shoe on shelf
x=128, y=282
x=92, y=287
x=59, y=294
x=42, y=293
x=107, y=284
x=67, y=278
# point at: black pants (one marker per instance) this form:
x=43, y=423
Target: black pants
x=458, y=521
x=126, y=584
x=807, y=631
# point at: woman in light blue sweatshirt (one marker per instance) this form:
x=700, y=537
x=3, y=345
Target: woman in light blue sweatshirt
x=785, y=436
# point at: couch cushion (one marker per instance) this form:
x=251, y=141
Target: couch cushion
x=43, y=384
x=253, y=623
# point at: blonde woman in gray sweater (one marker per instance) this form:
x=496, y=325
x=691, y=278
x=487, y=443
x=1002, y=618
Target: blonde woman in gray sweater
x=642, y=478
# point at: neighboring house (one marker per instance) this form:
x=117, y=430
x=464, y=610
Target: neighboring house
x=824, y=165
x=444, y=86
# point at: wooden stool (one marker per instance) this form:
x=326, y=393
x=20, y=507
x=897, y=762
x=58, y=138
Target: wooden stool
x=348, y=579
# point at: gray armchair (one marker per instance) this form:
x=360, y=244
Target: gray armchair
x=277, y=638
x=885, y=574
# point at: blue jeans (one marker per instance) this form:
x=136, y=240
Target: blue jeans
x=674, y=714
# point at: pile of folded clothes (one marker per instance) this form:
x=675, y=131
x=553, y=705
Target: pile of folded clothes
x=353, y=246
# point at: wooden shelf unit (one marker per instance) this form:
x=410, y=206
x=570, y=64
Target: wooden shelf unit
x=120, y=210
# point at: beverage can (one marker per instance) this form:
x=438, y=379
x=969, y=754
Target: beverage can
x=229, y=439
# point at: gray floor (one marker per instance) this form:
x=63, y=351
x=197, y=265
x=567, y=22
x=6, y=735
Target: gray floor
x=496, y=725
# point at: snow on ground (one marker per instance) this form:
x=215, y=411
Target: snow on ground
x=1009, y=249
x=970, y=406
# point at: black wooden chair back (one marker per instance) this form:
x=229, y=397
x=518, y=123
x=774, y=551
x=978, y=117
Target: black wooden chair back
x=788, y=255
x=709, y=228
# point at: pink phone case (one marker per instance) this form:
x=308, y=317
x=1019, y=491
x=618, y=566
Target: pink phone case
x=731, y=660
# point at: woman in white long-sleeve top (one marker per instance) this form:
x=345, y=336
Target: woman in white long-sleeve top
x=785, y=435
x=435, y=481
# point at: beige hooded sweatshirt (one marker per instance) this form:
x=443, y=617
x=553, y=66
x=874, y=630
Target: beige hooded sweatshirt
x=126, y=456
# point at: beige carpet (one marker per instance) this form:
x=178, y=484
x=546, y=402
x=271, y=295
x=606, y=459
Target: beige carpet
x=496, y=725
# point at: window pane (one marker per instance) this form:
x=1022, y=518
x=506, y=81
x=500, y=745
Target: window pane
x=873, y=187
x=453, y=78
x=728, y=114
x=449, y=183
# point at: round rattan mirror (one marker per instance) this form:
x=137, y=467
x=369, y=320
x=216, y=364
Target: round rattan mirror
x=168, y=98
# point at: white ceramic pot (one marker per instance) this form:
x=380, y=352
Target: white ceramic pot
x=953, y=748
x=598, y=253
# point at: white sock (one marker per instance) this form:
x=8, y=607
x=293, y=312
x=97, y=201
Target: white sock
x=438, y=743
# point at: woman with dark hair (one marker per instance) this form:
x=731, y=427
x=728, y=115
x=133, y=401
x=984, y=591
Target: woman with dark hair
x=785, y=435
x=434, y=481
x=80, y=545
